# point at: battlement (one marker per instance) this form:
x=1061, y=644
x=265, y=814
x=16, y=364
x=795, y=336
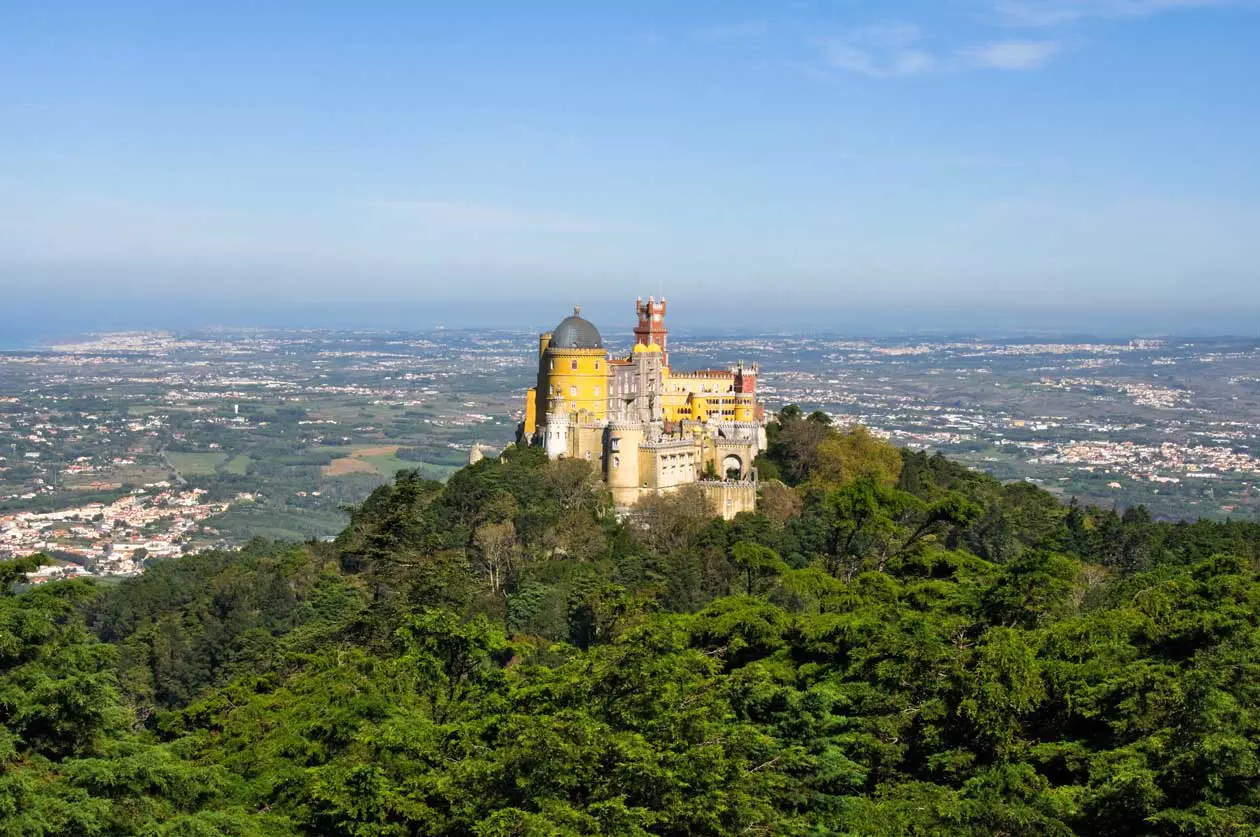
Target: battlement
x=581, y=419
x=645, y=310
x=734, y=443
x=625, y=425
x=730, y=497
x=717, y=374
x=668, y=444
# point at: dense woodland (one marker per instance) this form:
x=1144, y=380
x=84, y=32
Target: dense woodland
x=893, y=645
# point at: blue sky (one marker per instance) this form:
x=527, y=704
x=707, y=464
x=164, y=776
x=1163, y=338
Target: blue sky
x=777, y=162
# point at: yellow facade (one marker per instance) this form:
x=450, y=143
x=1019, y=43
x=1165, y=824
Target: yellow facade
x=575, y=380
x=531, y=411
x=704, y=397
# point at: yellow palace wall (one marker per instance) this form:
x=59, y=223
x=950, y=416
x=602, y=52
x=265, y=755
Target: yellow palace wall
x=575, y=380
x=700, y=397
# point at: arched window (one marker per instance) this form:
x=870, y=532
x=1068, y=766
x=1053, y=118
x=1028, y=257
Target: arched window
x=573, y=392
x=597, y=391
x=573, y=365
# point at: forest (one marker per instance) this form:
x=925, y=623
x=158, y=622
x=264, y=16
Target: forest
x=892, y=645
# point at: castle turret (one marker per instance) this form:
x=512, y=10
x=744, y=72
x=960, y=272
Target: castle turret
x=556, y=435
x=651, y=329
x=622, y=468
x=536, y=402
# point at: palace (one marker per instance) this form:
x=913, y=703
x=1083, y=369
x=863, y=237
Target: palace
x=649, y=428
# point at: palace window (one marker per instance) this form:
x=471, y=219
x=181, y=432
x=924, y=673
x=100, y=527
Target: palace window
x=616, y=461
x=597, y=392
x=573, y=392
x=597, y=366
x=573, y=365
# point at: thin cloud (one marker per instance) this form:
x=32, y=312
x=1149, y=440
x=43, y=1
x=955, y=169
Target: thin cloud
x=900, y=49
x=880, y=51
x=896, y=51
x=1060, y=12
x=1011, y=55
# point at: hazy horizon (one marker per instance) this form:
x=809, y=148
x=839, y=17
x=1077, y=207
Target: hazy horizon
x=34, y=323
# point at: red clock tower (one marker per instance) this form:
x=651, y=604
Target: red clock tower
x=651, y=327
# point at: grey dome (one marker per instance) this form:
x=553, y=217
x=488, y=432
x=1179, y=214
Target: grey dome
x=576, y=333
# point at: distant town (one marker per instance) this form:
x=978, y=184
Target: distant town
x=117, y=538
x=128, y=448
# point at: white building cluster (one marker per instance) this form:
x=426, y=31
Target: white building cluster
x=114, y=538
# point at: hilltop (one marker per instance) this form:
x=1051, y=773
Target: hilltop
x=893, y=644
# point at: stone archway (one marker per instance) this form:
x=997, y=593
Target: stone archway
x=732, y=467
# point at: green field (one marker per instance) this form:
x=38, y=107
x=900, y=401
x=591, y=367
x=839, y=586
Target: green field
x=384, y=464
x=432, y=471
x=208, y=464
x=237, y=465
x=135, y=410
x=197, y=464
x=246, y=520
x=389, y=465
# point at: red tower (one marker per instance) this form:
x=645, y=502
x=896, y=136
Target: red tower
x=651, y=327
x=746, y=379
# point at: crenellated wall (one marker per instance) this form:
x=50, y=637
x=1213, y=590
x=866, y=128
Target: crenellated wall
x=729, y=498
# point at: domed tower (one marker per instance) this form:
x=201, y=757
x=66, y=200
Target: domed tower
x=572, y=373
